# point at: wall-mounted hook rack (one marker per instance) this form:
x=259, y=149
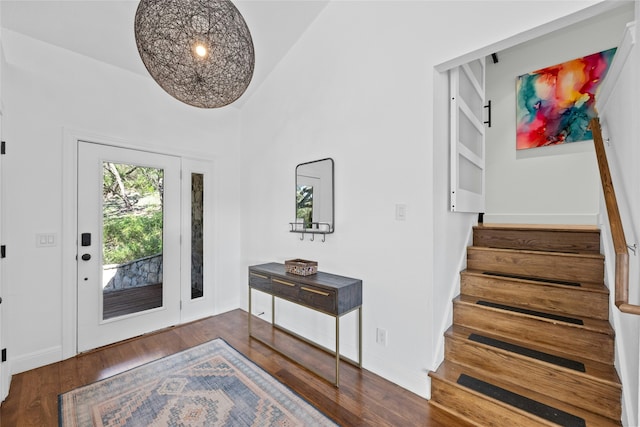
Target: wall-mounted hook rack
x=314, y=228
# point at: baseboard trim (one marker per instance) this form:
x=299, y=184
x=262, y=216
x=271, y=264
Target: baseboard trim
x=36, y=359
x=577, y=219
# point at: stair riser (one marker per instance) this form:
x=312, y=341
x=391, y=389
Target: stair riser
x=545, y=265
x=554, y=336
x=572, y=302
x=568, y=387
x=540, y=240
x=478, y=408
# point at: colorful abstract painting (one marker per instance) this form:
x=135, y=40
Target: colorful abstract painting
x=555, y=104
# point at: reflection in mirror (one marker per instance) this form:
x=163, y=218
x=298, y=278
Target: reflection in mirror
x=304, y=205
x=314, y=197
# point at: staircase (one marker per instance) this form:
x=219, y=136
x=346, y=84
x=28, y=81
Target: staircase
x=531, y=344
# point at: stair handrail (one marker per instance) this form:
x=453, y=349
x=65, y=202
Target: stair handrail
x=615, y=224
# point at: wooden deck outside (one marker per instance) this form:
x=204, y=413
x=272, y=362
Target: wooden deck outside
x=127, y=301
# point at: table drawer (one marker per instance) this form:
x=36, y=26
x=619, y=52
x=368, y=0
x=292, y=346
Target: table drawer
x=318, y=298
x=260, y=281
x=284, y=288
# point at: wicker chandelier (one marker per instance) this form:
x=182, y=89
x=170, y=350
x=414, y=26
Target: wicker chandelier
x=199, y=51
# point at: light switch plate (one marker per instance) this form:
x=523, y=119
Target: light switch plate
x=46, y=240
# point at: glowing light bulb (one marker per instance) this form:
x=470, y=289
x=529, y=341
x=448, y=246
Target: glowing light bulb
x=200, y=50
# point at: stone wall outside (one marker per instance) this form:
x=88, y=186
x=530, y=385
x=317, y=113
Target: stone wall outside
x=141, y=272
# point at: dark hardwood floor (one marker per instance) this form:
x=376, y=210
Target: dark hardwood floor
x=363, y=399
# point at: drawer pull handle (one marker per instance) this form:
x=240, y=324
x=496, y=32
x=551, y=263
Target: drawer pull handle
x=324, y=294
x=283, y=283
x=259, y=275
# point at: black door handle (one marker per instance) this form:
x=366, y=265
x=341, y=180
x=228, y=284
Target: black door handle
x=86, y=257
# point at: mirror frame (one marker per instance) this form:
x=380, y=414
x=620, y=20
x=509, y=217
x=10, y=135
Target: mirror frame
x=295, y=224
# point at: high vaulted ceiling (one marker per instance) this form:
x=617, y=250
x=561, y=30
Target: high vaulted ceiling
x=103, y=29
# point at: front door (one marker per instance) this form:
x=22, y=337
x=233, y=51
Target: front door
x=128, y=243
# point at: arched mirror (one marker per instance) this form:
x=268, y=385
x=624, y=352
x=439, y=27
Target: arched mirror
x=314, y=198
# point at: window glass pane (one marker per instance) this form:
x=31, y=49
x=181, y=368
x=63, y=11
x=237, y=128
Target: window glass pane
x=197, y=238
x=132, y=238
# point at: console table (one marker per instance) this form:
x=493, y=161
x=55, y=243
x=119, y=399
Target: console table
x=327, y=293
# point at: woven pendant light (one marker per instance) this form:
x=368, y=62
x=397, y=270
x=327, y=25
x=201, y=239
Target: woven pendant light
x=198, y=51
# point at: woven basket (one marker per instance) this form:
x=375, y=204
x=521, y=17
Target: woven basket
x=301, y=267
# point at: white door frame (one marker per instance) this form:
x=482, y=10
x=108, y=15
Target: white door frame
x=71, y=138
x=193, y=309
x=5, y=369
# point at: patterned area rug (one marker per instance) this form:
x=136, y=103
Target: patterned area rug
x=208, y=385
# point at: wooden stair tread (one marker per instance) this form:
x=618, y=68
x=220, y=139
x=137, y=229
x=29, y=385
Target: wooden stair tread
x=595, y=325
x=538, y=227
x=573, y=298
x=556, y=238
x=598, y=371
x=596, y=287
x=599, y=257
x=597, y=344
x=537, y=263
x=450, y=372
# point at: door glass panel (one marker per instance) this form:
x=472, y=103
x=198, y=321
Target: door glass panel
x=470, y=136
x=477, y=69
x=197, y=240
x=470, y=176
x=132, y=254
x=470, y=96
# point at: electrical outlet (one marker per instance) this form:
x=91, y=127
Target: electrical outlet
x=381, y=336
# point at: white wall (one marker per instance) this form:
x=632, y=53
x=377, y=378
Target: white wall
x=359, y=87
x=556, y=184
x=47, y=91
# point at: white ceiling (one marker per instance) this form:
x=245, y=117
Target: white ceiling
x=103, y=29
